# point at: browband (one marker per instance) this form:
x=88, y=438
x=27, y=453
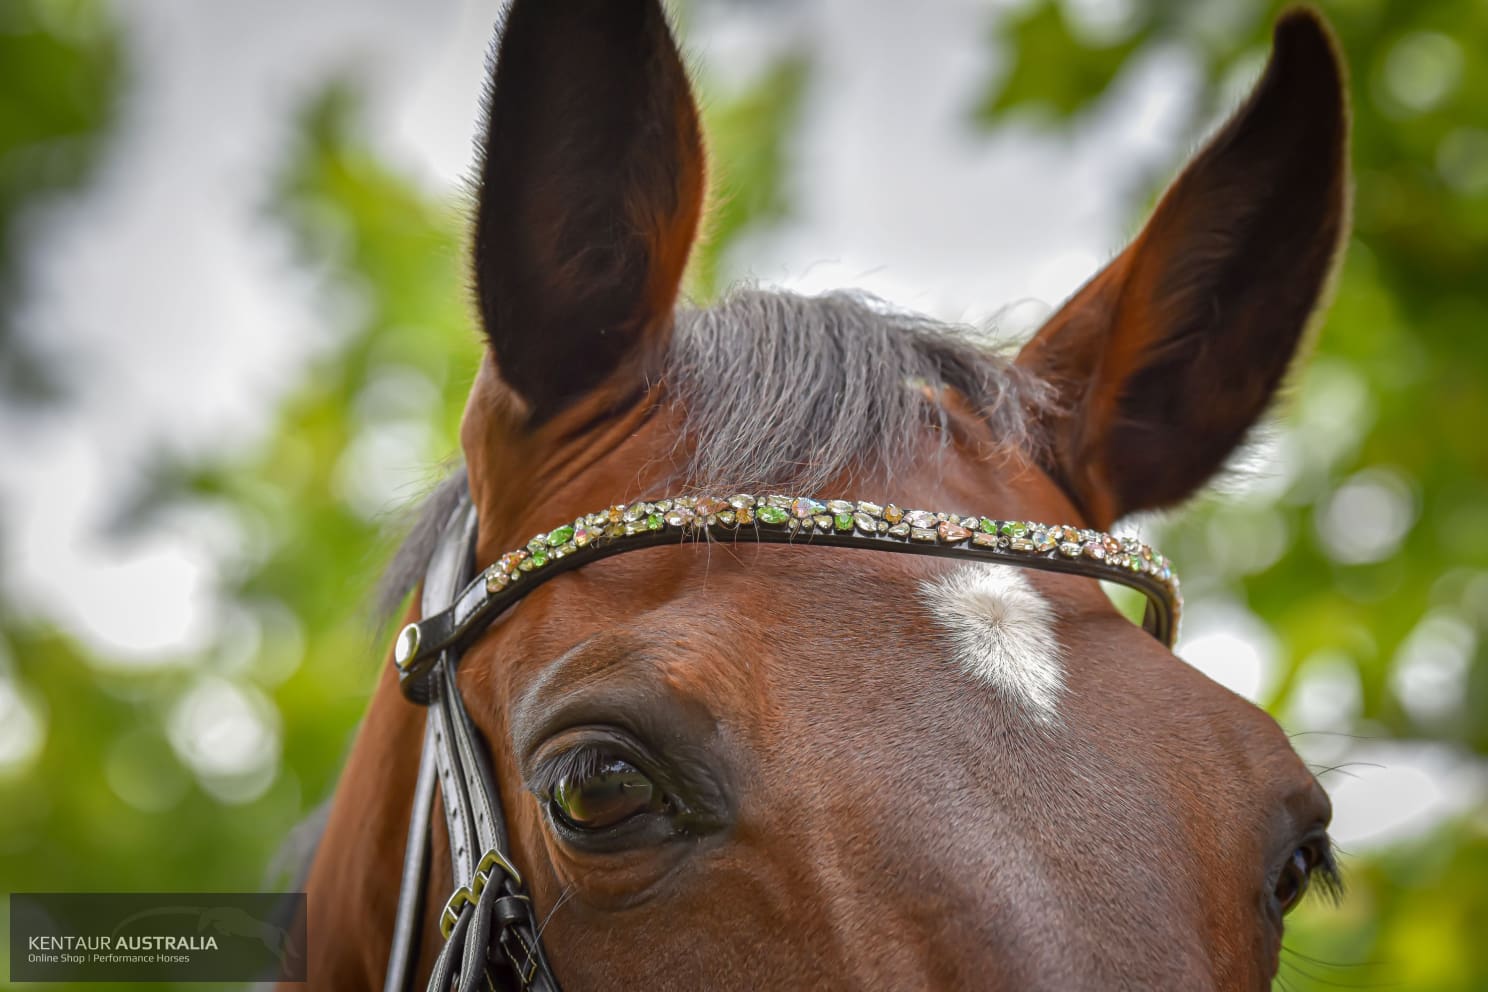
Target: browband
x=798, y=520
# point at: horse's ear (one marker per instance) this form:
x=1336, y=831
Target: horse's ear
x=591, y=183
x=1164, y=360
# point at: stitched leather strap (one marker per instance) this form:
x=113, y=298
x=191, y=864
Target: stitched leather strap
x=493, y=941
x=403, y=957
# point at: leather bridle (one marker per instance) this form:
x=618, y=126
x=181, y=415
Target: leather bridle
x=492, y=937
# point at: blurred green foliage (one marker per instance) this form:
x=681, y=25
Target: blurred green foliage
x=61, y=68
x=1387, y=419
x=746, y=152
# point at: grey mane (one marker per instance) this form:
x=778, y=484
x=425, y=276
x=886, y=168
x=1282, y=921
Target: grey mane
x=786, y=392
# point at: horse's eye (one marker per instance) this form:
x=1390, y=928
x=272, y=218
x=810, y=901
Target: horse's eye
x=610, y=793
x=1291, y=884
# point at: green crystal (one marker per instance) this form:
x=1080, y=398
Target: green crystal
x=844, y=521
x=560, y=536
x=654, y=522
x=538, y=559
x=772, y=514
x=989, y=526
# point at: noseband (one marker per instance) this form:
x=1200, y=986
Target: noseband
x=491, y=934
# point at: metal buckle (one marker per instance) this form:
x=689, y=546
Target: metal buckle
x=494, y=858
x=468, y=895
x=463, y=897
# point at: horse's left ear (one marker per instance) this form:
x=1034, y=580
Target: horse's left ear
x=1164, y=360
x=590, y=188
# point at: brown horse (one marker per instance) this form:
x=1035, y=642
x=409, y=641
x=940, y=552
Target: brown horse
x=757, y=766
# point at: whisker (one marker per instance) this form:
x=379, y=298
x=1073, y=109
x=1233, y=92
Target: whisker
x=1320, y=770
x=1326, y=963
x=1333, y=733
x=1334, y=982
x=563, y=897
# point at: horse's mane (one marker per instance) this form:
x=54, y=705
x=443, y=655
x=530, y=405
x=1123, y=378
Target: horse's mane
x=786, y=392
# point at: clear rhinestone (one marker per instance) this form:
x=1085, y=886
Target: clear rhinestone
x=804, y=506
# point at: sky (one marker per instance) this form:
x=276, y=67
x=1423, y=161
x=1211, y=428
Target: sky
x=183, y=315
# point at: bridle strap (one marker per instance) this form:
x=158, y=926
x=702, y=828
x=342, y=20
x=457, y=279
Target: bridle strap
x=782, y=520
x=403, y=958
x=455, y=758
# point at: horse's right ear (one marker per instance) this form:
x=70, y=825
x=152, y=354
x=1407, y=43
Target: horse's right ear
x=1163, y=361
x=590, y=188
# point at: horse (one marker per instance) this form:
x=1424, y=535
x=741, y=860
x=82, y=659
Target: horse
x=738, y=764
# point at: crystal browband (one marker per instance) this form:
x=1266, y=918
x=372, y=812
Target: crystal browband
x=787, y=520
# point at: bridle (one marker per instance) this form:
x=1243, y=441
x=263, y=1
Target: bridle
x=491, y=933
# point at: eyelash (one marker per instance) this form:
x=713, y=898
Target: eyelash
x=1326, y=877
x=575, y=763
